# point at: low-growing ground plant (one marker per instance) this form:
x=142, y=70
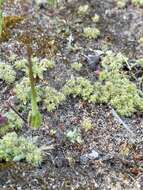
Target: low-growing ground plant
x=112, y=87
x=83, y=10
x=52, y=98
x=38, y=66
x=23, y=96
x=137, y=2
x=1, y=17
x=76, y=66
x=7, y=73
x=140, y=41
x=13, y=122
x=121, y=3
x=95, y=18
x=86, y=124
x=74, y=136
x=80, y=87
x=91, y=32
x=14, y=148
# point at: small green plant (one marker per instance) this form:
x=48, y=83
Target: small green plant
x=34, y=117
x=140, y=41
x=114, y=88
x=52, y=98
x=1, y=17
x=7, y=73
x=95, y=18
x=121, y=3
x=39, y=67
x=14, y=148
x=47, y=63
x=137, y=2
x=86, y=124
x=78, y=87
x=76, y=66
x=74, y=136
x=13, y=122
x=23, y=95
x=52, y=2
x=83, y=9
x=91, y=33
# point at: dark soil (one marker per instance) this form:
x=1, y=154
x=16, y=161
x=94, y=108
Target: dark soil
x=120, y=161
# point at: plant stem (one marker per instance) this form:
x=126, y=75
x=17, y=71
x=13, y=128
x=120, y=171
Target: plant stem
x=32, y=83
x=35, y=116
x=1, y=17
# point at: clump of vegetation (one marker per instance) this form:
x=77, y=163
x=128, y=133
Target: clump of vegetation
x=52, y=2
x=74, y=136
x=137, y=2
x=1, y=17
x=23, y=95
x=76, y=66
x=38, y=66
x=13, y=122
x=91, y=33
x=86, y=124
x=7, y=73
x=140, y=61
x=47, y=63
x=115, y=88
x=52, y=98
x=14, y=148
x=140, y=41
x=78, y=87
x=83, y=9
x=121, y=3
x=34, y=117
x=95, y=18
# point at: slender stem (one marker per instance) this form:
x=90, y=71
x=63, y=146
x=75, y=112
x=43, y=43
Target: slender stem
x=32, y=83
x=1, y=17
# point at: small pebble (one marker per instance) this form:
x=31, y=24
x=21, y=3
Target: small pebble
x=93, y=61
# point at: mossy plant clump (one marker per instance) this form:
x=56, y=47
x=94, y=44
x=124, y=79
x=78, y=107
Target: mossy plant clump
x=74, y=136
x=91, y=33
x=76, y=66
x=14, y=148
x=7, y=73
x=24, y=95
x=52, y=98
x=83, y=10
x=13, y=122
x=121, y=3
x=86, y=124
x=138, y=3
x=38, y=66
x=80, y=87
x=22, y=90
x=113, y=87
x=95, y=18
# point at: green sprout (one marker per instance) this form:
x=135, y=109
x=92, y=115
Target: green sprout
x=91, y=33
x=34, y=115
x=137, y=2
x=1, y=17
x=83, y=9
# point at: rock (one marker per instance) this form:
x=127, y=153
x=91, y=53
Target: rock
x=89, y=156
x=93, y=61
x=41, y=3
